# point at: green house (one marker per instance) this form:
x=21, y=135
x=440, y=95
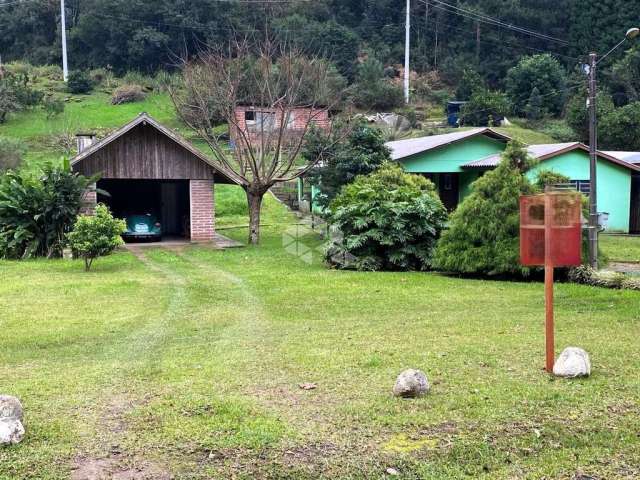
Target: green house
x=454, y=160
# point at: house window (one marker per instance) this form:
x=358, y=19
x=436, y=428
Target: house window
x=259, y=121
x=250, y=117
x=583, y=186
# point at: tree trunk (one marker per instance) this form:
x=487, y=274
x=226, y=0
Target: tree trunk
x=255, y=202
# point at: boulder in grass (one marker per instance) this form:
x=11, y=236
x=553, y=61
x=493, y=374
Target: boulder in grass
x=10, y=407
x=572, y=362
x=410, y=384
x=11, y=431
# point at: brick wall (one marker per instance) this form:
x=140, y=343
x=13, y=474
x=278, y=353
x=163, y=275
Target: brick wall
x=202, y=210
x=89, y=201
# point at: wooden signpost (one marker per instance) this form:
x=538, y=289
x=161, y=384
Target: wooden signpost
x=550, y=235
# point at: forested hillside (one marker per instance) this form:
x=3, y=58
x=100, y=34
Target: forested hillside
x=143, y=35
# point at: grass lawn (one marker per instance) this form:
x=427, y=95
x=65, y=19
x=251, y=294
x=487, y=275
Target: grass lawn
x=622, y=248
x=188, y=363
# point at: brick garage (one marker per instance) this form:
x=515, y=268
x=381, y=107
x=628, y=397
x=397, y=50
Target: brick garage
x=145, y=167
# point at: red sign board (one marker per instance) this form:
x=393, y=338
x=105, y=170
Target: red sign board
x=553, y=220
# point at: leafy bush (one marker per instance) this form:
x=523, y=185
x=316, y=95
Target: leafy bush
x=343, y=159
x=127, y=94
x=549, y=177
x=542, y=72
x=96, y=235
x=484, y=108
x=618, y=130
x=36, y=213
x=388, y=220
x=483, y=234
x=534, y=110
x=16, y=94
x=559, y=130
x=11, y=152
x=79, y=82
x=470, y=83
x=373, y=91
x=52, y=106
x=577, y=115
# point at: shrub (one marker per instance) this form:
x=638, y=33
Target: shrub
x=343, y=159
x=372, y=90
x=542, y=72
x=618, y=130
x=79, y=82
x=96, y=235
x=98, y=75
x=484, y=108
x=470, y=83
x=559, y=130
x=127, y=94
x=52, y=106
x=549, y=177
x=388, y=220
x=11, y=152
x=37, y=212
x=483, y=234
x=577, y=115
x=16, y=94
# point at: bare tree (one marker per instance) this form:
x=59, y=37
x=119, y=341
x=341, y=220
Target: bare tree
x=270, y=96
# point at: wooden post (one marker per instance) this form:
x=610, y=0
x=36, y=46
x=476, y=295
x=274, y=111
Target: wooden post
x=548, y=286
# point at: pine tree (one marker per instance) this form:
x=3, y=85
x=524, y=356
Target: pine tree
x=483, y=234
x=533, y=110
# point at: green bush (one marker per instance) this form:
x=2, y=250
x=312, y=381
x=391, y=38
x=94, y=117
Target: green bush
x=483, y=108
x=559, y=130
x=547, y=177
x=577, y=115
x=373, y=91
x=483, y=234
x=79, y=82
x=52, y=106
x=96, y=235
x=342, y=159
x=16, y=94
x=618, y=130
x=388, y=220
x=37, y=212
x=469, y=84
x=11, y=152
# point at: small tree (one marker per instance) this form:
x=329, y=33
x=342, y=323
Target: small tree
x=388, y=220
x=618, y=130
x=361, y=152
x=577, y=114
x=373, y=90
x=534, y=110
x=470, y=83
x=79, y=82
x=484, y=108
x=483, y=234
x=96, y=235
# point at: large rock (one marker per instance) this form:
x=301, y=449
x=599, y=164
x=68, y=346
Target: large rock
x=411, y=383
x=572, y=362
x=10, y=407
x=11, y=431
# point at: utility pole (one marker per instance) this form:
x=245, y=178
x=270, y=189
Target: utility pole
x=593, y=159
x=63, y=22
x=407, y=39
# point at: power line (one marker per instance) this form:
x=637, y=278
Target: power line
x=491, y=21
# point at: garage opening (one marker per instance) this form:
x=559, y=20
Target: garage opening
x=154, y=209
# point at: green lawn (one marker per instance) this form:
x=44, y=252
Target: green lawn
x=619, y=247
x=188, y=363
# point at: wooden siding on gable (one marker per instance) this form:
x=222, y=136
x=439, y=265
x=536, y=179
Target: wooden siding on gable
x=145, y=153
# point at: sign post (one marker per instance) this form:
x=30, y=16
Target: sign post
x=550, y=236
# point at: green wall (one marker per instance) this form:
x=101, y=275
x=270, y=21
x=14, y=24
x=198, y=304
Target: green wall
x=447, y=159
x=613, y=186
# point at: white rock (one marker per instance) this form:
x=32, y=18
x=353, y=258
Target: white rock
x=10, y=407
x=572, y=362
x=411, y=383
x=11, y=431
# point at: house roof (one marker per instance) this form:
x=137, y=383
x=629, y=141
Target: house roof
x=549, y=150
x=629, y=157
x=145, y=119
x=412, y=146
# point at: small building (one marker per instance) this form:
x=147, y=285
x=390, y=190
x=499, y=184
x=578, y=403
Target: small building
x=146, y=167
x=256, y=121
x=454, y=160
x=634, y=159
